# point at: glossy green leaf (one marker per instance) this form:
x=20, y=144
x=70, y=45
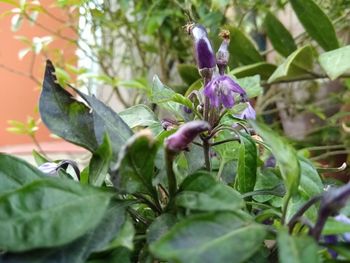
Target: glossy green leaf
x=120, y=255
x=297, y=64
x=135, y=168
x=214, y=237
x=247, y=165
x=138, y=116
x=188, y=73
x=296, y=249
x=46, y=213
x=107, y=121
x=80, y=249
x=263, y=69
x=100, y=162
x=336, y=62
x=200, y=191
x=280, y=38
x=242, y=49
x=15, y=173
x=316, y=23
x=65, y=116
x=285, y=155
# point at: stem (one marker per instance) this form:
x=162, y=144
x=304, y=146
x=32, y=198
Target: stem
x=285, y=207
x=221, y=168
x=206, y=150
x=169, y=159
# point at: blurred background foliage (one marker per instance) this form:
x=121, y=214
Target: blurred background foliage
x=300, y=71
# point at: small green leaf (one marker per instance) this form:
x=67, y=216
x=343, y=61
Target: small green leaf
x=188, y=73
x=242, y=48
x=336, y=62
x=39, y=158
x=251, y=85
x=160, y=92
x=263, y=69
x=46, y=213
x=135, y=168
x=138, y=116
x=279, y=36
x=247, y=165
x=296, y=249
x=99, y=163
x=200, y=191
x=316, y=23
x=63, y=115
x=297, y=64
x=213, y=237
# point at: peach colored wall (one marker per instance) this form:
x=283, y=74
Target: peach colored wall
x=19, y=95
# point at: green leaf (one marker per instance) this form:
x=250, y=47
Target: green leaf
x=266, y=180
x=296, y=249
x=334, y=227
x=297, y=64
x=135, y=168
x=63, y=115
x=316, y=23
x=279, y=36
x=251, y=85
x=39, y=158
x=336, y=62
x=99, y=163
x=310, y=181
x=138, y=115
x=160, y=226
x=242, y=49
x=14, y=173
x=285, y=155
x=200, y=191
x=213, y=237
x=263, y=69
x=197, y=85
x=80, y=249
x=188, y=73
x=160, y=92
x=47, y=213
x=247, y=165
x=107, y=121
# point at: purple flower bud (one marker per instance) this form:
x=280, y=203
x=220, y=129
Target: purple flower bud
x=187, y=110
x=247, y=113
x=168, y=124
x=270, y=162
x=222, y=56
x=331, y=240
x=220, y=90
x=180, y=140
x=203, y=50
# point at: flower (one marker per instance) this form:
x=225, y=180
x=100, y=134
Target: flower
x=49, y=168
x=222, y=56
x=247, y=113
x=221, y=89
x=203, y=50
x=180, y=140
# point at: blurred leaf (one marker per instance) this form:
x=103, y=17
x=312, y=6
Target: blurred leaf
x=284, y=153
x=160, y=92
x=160, y=226
x=39, y=158
x=296, y=249
x=16, y=22
x=336, y=62
x=197, y=85
x=50, y=220
x=63, y=115
x=310, y=181
x=251, y=85
x=100, y=161
x=200, y=191
x=135, y=168
x=242, y=49
x=279, y=36
x=316, y=23
x=263, y=69
x=297, y=64
x=23, y=52
x=334, y=227
x=138, y=115
x=212, y=237
x=247, y=165
x=188, y=73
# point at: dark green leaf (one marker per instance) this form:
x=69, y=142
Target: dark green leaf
x=316, y=23
x=296, y=249
x=188, y=73
x=99, y=163
x=135, y=168
x=63, y=115
x=214, y=237
x=285, y=155
x=120, y=255
x=336, y=62
x=47, y=213
x=200, y=191
x=247, y=165
x=107, y=121
x=160, y=226
x=263, y=69
x=279, y=36
x=14, y=173
x=242, y=49
x=297, y=64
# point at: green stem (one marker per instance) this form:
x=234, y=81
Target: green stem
x=172, y=186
